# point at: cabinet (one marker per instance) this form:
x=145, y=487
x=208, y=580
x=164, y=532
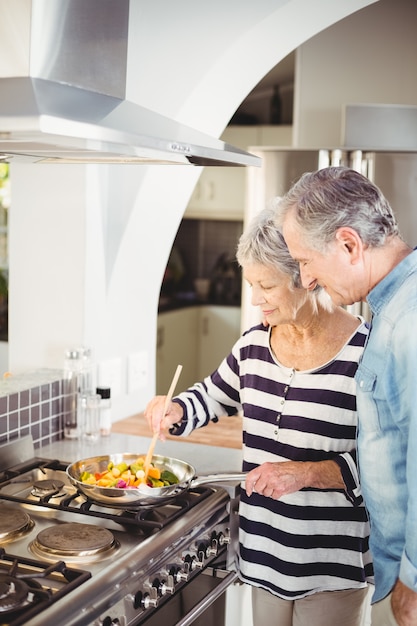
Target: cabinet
x=220, y=191
x=175, y=345
x=219, y=329
x=198, y=338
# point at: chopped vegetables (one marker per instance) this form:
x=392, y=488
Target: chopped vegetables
x=123, y=476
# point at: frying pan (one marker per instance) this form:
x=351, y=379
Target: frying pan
x=143, y=495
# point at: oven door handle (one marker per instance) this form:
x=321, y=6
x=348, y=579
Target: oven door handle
x=208, y=600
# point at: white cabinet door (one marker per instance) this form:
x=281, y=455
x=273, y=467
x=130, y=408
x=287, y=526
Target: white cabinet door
x=219, y=329
x=218, y=195
x=176, y=345
x=220, y=191
x=198, y=338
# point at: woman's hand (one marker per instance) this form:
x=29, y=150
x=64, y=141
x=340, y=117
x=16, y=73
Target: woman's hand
x=275, y=480
x=158, y=422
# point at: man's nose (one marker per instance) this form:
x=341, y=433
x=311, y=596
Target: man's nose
x=307, y=280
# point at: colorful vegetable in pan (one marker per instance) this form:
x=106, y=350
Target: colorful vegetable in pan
x=125, y=476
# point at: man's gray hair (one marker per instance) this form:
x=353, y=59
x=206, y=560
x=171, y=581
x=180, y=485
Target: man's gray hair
x=333, y=197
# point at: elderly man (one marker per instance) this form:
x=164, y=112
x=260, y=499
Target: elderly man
x=342, y=231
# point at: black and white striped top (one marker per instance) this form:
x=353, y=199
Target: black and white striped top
x=311, y=540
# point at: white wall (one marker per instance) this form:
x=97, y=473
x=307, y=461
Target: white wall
x=368, y=57
x=89, y=244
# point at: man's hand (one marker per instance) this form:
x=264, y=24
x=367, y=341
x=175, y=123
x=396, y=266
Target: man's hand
x=404, y=605
x=274, y=480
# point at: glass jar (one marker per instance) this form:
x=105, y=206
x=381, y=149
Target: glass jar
x=78, y=379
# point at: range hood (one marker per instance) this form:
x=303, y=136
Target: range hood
x=71, y=106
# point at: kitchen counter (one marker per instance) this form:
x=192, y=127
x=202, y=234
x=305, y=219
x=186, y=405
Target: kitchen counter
x=173, y=304
x=205, y=459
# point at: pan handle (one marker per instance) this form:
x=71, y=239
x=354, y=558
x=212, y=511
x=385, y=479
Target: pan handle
x=218, y=478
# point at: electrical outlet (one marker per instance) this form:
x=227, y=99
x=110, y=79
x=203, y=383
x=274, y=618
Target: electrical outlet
x=137, y=371
x=110, y=375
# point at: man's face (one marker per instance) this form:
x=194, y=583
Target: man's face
x=336, y=270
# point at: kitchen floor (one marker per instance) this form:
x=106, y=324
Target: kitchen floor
x=227, y=433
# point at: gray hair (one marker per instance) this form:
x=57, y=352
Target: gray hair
x=333, y=197
x=263, y=243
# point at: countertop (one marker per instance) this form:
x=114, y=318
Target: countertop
x=167, y=305
x=205, y=459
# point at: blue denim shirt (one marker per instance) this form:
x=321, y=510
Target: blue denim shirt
x=387, y=433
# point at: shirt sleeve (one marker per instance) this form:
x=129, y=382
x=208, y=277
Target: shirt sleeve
x=217, y=395
x=349, y=470
x=405, y=364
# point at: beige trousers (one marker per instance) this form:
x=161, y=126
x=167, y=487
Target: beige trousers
x=381, y=613
x=326, y=608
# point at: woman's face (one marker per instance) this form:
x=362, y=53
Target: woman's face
x=272, y=291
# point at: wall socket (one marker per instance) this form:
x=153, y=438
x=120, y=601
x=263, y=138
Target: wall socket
x=110, y=375
x=137, y=371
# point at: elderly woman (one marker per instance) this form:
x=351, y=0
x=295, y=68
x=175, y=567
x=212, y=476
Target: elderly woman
x=303, y=527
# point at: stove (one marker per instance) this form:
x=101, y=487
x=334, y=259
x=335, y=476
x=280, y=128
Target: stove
x=71, y=560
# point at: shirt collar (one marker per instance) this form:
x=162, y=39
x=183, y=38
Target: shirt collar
x=386, y=289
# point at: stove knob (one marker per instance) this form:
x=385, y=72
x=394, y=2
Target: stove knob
x=224, y=539
x=137, y=600
x=173, y=571
x=198, y=563
x=150, y=599
x=212, y=549
x=167, y=586
x=183, y=574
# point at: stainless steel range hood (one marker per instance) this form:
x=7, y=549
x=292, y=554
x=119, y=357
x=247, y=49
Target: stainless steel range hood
x=71, y=107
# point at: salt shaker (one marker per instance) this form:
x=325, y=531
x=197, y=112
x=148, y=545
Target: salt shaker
x=105, y=410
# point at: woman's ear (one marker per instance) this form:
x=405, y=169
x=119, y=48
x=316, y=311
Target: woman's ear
x=349, y=239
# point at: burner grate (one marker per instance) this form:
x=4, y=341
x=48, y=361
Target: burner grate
x=33, y=585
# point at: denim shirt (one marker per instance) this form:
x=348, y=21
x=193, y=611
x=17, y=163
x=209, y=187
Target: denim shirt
x=387, y=433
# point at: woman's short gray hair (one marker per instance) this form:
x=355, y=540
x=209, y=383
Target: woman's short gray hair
x=333, y=197
x=262, y=242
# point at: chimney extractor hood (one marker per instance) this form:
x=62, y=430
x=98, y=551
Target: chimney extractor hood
x=44, y=121
x=72, y=106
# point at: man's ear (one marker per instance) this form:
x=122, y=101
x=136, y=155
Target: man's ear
x=352, y=244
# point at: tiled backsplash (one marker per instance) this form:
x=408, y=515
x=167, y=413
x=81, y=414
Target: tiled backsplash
x=31, y=403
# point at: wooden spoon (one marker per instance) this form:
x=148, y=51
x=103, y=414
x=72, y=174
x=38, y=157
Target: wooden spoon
x=169, y=395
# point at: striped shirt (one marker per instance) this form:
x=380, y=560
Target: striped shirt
x=314, y=539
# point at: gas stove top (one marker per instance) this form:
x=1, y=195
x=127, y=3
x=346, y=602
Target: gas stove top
x=85, y=563
x=28, y=586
